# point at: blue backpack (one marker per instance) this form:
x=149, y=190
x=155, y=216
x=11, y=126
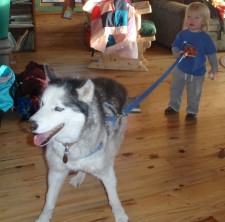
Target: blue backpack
x=7, y=80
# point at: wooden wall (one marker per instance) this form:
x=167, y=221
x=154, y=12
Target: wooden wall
x=67, y=33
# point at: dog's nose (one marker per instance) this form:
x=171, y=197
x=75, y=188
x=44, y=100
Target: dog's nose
x=32, y=125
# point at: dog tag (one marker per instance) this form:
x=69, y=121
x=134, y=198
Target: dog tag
x=66, y=153
x=65, y=158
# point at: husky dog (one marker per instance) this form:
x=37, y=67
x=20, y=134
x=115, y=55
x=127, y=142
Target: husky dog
x=80, y=122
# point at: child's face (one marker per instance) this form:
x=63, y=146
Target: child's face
x=194, y=22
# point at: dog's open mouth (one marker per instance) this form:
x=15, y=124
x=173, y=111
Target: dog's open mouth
x=42, y=139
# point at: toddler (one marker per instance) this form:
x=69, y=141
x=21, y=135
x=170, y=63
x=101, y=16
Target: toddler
x=190, y=72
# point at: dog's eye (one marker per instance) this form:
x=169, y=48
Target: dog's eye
x=59, y=109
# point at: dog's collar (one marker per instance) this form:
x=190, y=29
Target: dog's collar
x=111, y=114
x=69, y=145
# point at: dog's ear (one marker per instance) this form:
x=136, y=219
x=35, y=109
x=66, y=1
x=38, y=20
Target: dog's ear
x=49, y=72
x=86, y=92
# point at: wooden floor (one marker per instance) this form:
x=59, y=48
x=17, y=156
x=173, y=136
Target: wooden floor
x=168, y=170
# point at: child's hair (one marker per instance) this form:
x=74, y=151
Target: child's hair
x=202, y=10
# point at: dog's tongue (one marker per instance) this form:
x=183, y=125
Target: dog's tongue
x=41, y=139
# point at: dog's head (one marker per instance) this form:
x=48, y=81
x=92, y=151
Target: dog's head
x=63, y=109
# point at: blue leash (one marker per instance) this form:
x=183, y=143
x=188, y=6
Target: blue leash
x=139, y=99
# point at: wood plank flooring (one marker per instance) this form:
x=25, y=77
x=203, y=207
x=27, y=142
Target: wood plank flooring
x=168, y=170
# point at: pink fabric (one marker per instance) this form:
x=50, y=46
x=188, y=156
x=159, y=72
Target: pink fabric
x=125, y=36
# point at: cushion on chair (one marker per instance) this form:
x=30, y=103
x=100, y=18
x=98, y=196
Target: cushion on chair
x=147, y=28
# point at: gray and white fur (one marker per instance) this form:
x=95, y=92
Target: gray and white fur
x=72, y=123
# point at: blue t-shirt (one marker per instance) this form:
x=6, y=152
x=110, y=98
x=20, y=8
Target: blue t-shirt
x=203, y=44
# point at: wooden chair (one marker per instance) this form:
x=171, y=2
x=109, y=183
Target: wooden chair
x=116, y=62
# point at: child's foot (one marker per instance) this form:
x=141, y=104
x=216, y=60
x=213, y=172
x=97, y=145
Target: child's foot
x=191, y=116
x=170, y=111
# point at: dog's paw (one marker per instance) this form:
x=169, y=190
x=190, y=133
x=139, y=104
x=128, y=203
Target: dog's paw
x=38, y=220
x=42, y=218
x=123, y=218
x=78, y=179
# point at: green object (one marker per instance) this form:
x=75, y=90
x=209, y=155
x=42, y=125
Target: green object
x=147, y=28
x=4, y=18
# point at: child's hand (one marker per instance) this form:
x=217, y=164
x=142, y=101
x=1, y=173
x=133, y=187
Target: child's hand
x=178, y=55
x=190, y=51
x=212, y=75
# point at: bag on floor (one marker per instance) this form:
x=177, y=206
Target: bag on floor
x=31, y=83
x=7, y=89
